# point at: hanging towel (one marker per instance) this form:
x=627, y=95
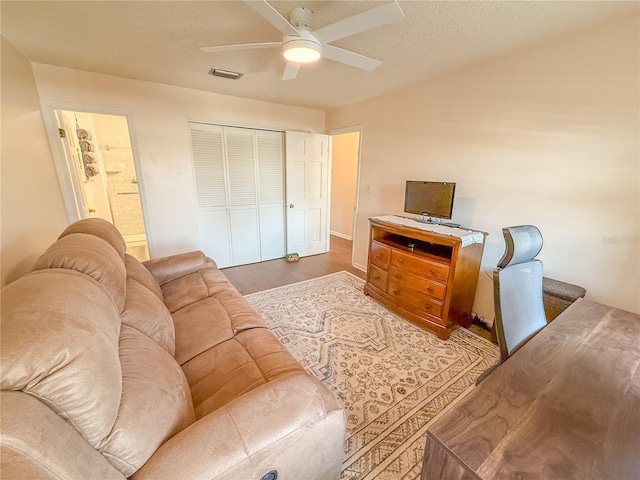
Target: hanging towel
x=88, y=159
x=91, y=170
x=86, y=146
x=83, y=134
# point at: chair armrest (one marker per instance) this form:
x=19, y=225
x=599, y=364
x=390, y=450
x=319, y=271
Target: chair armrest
x=169, y=268
x=292, y=425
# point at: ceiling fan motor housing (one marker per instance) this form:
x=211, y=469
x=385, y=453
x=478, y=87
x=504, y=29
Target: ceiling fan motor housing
x=301, y=18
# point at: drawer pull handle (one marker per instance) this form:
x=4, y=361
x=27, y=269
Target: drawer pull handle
x=378, y=255
x=376, y=277
x=396, y=292
x=398, y=276
x=428, y=306
x=432, y=271
x=430, y=290
x=400, y=260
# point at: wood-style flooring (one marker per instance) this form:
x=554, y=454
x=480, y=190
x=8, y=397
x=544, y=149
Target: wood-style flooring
x=257, y=277
x=276, y=273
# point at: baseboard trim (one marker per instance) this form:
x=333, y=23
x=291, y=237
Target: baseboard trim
x=341, y=235
x=362, y=268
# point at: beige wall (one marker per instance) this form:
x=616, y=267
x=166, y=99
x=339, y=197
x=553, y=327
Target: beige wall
x=33, y=213
x=158, y=116
x=344, y=177
x=546, y=135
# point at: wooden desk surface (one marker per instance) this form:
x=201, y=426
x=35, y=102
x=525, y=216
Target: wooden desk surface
x=565, y=406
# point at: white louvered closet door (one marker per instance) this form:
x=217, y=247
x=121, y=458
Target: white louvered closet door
x=243, y=195
x=271, y=194
x=240, y=185
x=210, y=172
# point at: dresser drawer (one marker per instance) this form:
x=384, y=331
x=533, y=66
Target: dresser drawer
x=418, y=283
x=378, y=278
x=420, y=266
x=380, y=255
x=412, y=299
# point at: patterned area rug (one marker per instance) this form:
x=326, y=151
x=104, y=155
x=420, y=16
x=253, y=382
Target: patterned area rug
x=392, y=377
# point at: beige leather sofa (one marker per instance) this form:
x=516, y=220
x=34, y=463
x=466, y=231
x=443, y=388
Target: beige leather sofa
x=113, y=369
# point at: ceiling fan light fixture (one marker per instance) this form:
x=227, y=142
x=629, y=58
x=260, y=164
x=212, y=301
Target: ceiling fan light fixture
x=303, y=49
x=301, y=54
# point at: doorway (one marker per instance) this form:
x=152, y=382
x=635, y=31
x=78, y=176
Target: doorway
x=345, y=161
x=100, y=162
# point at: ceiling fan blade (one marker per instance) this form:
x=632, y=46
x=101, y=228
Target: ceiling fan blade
x=242, y=46
x=350, y=58
x=376, y=17
x=290, y=71
x=272, y=16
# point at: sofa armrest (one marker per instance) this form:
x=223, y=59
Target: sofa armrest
x=165, y=269
x=292, y=425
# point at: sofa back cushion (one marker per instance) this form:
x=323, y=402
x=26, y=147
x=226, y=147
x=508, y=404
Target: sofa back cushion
x=156, y=402
x=99, y=228
x=92, y=256
x=140, y=274
x=60, y=333
x=148, y=314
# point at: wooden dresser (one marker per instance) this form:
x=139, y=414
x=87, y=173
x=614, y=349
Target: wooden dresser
x=426, y=277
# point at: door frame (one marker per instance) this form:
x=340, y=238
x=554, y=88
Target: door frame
x=67, y=180
x=340, y=131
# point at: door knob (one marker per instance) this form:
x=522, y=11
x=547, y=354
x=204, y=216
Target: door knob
x=291, y=205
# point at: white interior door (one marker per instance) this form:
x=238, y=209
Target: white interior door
x=307, y=191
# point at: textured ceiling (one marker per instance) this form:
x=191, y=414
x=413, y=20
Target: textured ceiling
x=159, y=41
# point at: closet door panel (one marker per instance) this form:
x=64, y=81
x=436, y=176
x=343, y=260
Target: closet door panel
x=207, y=143
x=243, y=195
x=208, y=164
x=241, y=167
x=244, y=235
x=271, y=194
x=215, y=238
x=272, y=232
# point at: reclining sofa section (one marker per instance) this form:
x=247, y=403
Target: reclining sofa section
x=112, y=368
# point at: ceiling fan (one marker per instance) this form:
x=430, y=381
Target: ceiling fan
x=301, y=45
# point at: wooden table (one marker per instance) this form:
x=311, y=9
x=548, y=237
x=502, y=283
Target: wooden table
x=565, y=406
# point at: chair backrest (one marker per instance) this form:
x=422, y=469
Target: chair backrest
x=517, y=286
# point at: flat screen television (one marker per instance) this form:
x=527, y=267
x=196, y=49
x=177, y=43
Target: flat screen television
x=432, y=199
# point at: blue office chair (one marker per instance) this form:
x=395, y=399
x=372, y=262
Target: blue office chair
x=517, y=292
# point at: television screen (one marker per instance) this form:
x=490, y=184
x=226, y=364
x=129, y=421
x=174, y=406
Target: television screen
x=433, y=199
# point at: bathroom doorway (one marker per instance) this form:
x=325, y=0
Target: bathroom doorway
x=102, y=172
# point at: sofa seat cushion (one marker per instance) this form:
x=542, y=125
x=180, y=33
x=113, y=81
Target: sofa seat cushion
x=232, y=368
x=193, y=287
x=207, y=310
x=146, y=312
x=155, y=404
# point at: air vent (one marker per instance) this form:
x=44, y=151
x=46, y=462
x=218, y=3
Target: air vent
x=225, y=73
